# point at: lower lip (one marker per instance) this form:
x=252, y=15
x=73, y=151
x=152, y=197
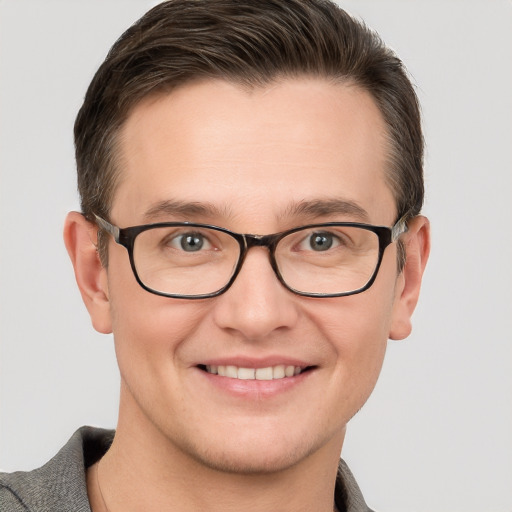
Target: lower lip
x=255, y=389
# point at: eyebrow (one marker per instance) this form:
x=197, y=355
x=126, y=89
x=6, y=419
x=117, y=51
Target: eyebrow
x=328, y=207
x=309, y=209
x=183, y=209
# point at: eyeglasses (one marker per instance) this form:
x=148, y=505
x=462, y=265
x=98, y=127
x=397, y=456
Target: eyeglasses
x=194, y=261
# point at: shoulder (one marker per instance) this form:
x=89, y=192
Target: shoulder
x=59, y=485
x=9, y=500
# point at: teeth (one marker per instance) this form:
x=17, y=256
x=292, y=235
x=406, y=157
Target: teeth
x=264, y=373
x=278, y=372
x=246, y=373
x=269, y=373
x=232, y=371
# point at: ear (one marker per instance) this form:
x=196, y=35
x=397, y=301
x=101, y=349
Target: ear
x=80, y=237
x=417, y=249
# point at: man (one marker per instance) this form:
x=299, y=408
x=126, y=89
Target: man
x=251, y=182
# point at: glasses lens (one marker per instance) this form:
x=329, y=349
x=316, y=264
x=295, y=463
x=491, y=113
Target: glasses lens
x=185, y=260
x=328, y=259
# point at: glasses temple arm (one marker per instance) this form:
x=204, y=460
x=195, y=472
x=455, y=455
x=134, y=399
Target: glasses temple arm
x=399, y=228
x=109, y=228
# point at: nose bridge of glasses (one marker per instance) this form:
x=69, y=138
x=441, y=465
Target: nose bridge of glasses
x=267, y=241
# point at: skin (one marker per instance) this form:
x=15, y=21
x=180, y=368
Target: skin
x=186, y=438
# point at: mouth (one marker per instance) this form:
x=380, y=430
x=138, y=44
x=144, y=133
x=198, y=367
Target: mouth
x=276, y=372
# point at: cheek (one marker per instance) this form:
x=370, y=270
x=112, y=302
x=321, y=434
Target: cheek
x=357, y=330
x=358, y=337
x=357, y=324
x=148, y=329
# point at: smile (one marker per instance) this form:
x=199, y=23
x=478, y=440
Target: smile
x=279, y=371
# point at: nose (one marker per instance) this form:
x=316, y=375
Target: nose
x=257, y=304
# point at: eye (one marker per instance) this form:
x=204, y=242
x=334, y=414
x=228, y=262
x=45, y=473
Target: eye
x=320, y=241
x=190, y=242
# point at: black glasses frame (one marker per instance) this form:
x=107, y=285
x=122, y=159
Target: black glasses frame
x=126, y=237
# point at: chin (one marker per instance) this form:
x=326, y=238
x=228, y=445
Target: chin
x=248, y=462
x=251, y=453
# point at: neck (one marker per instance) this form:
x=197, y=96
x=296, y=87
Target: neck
x=144, y=470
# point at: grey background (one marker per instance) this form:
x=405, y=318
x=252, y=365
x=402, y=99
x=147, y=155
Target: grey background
x=437, y=433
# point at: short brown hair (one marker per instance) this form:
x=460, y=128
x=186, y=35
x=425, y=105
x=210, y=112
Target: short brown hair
x=251, y=42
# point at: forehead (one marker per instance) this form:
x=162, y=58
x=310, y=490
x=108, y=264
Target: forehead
x=253, y=155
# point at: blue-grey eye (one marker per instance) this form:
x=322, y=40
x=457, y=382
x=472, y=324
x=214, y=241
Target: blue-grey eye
x=321, y=241
x=191, y=242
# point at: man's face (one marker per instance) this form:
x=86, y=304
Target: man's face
x=249, y=158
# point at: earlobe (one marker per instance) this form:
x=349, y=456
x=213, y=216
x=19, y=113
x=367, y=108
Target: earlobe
x=417, y=248
x=80, y=237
